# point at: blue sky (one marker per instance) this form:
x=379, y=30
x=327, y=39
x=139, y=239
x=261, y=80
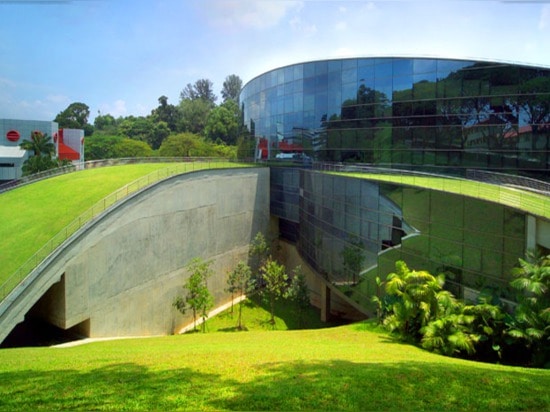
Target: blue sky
x=119, y=56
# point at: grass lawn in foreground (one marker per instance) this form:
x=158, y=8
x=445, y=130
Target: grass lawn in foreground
x=31, y=215
x=530, y=202
x=354, y=367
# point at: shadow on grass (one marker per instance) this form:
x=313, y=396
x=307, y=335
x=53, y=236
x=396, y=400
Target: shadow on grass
x=297, y=385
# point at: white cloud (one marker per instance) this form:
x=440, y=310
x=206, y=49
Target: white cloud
x=115, y=109
x=244, y=14
x=302, y=28
x=544, y=21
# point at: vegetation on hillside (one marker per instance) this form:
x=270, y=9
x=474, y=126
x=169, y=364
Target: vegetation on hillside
x=417, y=309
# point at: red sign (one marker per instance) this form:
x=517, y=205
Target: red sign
x=13, y=135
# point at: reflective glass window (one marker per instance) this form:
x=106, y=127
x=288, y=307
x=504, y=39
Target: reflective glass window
x=321, y=67
x=365, y=74
x=289, y=73
x=349, y=76
x=383, y=69
x=424, y=66
x=298, y=71
x=402, y=67
x=446, y=67
x=309, y=70
x=334, y=66
x=348, y=64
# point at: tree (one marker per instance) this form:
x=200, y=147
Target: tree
x=259, y=252
x=223, y=123
x=75, y=116
x=240, y=283
x=275, y=283
x=202, y=89
x=198, y=297
x=232, y=88
x=40, y=144
x=531, y=323
x=420, y=299
x=43, y=149
x=105, y=123
x=299, y=293
x=111, y=147
x=353, y=257
x=167, y=113
x=194, y=115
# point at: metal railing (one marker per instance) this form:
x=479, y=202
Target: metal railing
x=190, y=165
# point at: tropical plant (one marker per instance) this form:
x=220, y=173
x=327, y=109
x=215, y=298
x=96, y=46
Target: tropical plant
x=198, y=297
x=40, y=144
x=43, y=149
x=531, y=323
x=240, y=283
x=420, y=300
x=449, y=335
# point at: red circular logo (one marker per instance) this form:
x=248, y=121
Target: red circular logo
x=13, y=135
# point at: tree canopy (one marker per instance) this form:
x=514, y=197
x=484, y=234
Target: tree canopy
x=75, y=116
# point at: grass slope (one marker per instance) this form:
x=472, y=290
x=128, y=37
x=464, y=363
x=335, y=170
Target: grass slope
x=352, y=367
x=31, y=215
x=535, y=203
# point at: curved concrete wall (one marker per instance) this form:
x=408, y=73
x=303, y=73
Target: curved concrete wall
x=119, y=275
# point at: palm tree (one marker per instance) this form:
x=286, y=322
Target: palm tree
x=531, y=322
x=420, y=299
x=40, y=144
x=42, y=147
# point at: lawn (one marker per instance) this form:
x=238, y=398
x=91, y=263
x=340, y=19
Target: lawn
x=31, y=215
x=530, y=202
x=354, y=367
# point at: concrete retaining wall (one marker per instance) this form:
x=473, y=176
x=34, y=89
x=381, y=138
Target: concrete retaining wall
x=119, y=275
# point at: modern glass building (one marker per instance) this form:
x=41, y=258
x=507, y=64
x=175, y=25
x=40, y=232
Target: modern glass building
x=416, y=114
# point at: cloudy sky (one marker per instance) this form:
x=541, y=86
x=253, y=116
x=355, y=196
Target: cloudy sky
x=119, y=56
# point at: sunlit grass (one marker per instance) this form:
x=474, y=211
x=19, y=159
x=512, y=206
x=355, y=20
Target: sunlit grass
x=535, y=203
x=354, y=367
x=31, y=215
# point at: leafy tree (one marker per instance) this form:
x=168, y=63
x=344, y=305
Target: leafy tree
x=180, y=145
x=240, y=283
x=275, y=283
x=36, y=164
x=223, y=123
x=353, y=257
x=232, y=88
x=198, y=297
x=145, y=129
x=531, y=323
x=111, y=147
x=167, y=113
x=194, y=115
x=75, y=116
x=259, y=252
x=299, y=292
x=105, y=123
x=202, y=89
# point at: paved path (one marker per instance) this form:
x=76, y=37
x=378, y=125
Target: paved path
x=186, y=328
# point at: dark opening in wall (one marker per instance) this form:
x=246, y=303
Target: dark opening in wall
x=34, y=332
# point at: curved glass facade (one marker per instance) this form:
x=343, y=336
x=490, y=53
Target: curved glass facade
x=417, y=113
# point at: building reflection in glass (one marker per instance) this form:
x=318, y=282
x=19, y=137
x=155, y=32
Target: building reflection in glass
x=424, y=114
